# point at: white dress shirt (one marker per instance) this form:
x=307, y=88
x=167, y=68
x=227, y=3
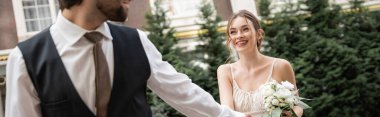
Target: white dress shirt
x=76, y=53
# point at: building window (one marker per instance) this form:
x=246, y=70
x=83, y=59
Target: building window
x=37, y=14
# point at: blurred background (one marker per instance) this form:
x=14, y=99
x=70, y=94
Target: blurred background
x=333, y=45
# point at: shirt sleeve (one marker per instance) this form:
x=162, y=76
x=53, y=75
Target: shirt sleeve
x=21, y=97
x=177, y=89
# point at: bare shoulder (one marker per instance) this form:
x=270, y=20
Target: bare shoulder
x=224, y=71
x=283, y=70
x=224, y=68
x=283, y=64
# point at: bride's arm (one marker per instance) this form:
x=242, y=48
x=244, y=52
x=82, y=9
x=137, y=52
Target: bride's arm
x=285, y=73
x=225, y=86
x=298, y=110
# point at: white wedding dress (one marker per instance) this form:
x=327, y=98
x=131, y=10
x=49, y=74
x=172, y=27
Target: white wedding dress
x=250, y=101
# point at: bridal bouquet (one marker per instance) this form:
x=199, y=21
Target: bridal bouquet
x=279, y=97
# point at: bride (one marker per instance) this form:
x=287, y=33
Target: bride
x=240, y=82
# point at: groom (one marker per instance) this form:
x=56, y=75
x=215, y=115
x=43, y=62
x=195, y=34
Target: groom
x=83, y=66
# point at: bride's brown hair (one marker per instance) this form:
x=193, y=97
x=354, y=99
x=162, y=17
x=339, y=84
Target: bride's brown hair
x=247, y=15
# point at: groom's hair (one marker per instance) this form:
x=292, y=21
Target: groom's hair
x=67, y=4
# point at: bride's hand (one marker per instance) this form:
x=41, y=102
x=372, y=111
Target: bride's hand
x=286, y=114
x=248, y=114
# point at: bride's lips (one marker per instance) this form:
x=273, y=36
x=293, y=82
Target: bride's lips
x=241, y=43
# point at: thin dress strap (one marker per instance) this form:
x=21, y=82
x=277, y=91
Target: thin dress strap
x=270, y=73
x=232, y=73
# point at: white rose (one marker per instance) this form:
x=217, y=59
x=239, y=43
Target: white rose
x=268, y=91
x=282, y=104
x=281, y=100
x=272, y=108
x=269, y=98
x=267, y=105
x=279, y=86
x=272, y=82
x=268, y=101
x=287, y=85
x=282, y=93
x=275, y=102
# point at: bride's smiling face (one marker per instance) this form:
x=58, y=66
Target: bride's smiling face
x=242, y=35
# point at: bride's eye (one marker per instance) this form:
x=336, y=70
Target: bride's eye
x=245, y=29
x=232, y=32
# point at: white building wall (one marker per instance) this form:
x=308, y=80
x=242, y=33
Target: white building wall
x=249, y=5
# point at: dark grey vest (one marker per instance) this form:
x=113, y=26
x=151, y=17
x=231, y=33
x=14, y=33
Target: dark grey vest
x=58, y=96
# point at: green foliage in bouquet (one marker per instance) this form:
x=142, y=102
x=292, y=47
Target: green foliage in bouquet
x=335, y=55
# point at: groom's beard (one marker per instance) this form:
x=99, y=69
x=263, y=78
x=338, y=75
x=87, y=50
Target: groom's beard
x=117, y=14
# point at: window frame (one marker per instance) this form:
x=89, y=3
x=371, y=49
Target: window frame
x=18, y=10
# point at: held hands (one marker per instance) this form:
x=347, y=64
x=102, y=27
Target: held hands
x=248, y=114
x=286, y=114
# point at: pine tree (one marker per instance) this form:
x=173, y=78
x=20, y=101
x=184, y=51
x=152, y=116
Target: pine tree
x=263, y=9
x=212, y=50
x=334, y=54
x=362, y=34
x=162, y=36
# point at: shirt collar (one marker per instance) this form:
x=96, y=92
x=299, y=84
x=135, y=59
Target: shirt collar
x=73, y=33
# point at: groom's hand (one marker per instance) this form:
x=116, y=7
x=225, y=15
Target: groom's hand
x=248, y=114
